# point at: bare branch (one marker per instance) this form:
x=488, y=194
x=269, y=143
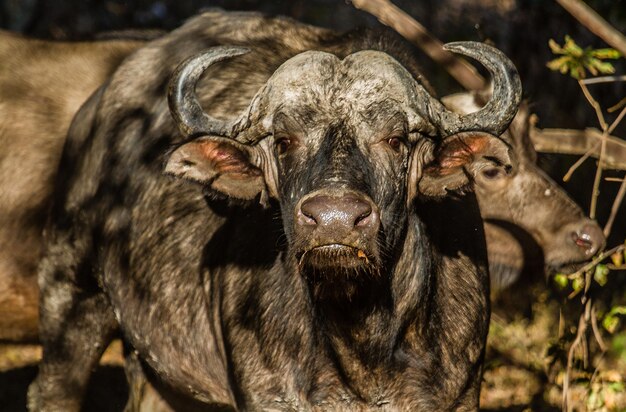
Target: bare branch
x=596, y=24
x=595, y=191
x=579, y=142
x=616, y=205
x=582, y=328
x=597, y=260
x=617, y=106
x=604, y=79
x=390, y=15
x=616, y=121
x=596, y=331
x=596, y=106
x=580, y=161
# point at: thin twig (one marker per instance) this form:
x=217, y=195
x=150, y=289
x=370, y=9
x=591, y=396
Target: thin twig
x=597, y=260
x=616, y=121
x=579, y=162
x=570, y=359
x=597, y=368
x=594, y=104
x=616, y=205
x=587, y=316
x=604, y=79
x=614, y=179
x=622, y=189
x=596, y=330
x=596, y=24
x=595, y=192
x=617, y=106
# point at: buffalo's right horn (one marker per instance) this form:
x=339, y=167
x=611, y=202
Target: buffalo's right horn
x=499, y=111
x=184, y=104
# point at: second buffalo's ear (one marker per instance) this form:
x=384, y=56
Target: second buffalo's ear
x=458, y=159
x=220, y=163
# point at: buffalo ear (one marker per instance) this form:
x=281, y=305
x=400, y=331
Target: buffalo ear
x=220, y=163
x=458, y=159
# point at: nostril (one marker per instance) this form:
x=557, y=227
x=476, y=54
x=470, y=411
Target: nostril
x=306, y=217
x=364, y=218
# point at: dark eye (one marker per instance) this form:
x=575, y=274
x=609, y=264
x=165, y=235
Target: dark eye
x=492, y=173
x=396, y=143
x=282, y=144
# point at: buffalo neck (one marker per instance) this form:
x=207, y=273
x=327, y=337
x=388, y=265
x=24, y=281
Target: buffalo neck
x=270, y=314
x=369, y=337
x=379, y=348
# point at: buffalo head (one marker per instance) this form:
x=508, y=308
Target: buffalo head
x=343, y=147
x=530, y=220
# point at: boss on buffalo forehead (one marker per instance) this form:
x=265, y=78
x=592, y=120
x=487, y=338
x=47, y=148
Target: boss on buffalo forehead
x=343, y=146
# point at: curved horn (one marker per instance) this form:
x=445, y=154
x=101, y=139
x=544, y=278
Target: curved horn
x=499, y=111
x=181, y=96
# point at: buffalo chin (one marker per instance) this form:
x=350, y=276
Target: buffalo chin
x=338, y=272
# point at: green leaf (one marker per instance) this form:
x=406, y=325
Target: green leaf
x=611, y=319
x=557, y=63
x=610, y=323
x=618, y=310
x=554, y=46
x=606, y=54
x=572, y=48
x=603, y=67
x=600, y=275
x=561, y=280
x=577, y=61
x=617, y=258
x=578, y=284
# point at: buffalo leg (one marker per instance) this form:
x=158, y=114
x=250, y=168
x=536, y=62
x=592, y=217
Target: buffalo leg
x=142, y=396
x=76, y=326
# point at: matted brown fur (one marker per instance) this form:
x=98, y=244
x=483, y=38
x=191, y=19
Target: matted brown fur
x=42, y=84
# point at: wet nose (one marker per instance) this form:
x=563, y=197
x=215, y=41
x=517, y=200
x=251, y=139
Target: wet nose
x=589, y=238
x=344, y=212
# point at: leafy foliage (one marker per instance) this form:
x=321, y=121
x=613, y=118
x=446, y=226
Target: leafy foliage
x=577, y=61
x=611, y=319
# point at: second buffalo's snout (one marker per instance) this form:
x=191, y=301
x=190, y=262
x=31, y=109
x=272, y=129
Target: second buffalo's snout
x=586, y=238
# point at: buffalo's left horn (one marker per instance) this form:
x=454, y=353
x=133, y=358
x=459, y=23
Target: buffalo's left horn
x=499, y=111
x=184, y=104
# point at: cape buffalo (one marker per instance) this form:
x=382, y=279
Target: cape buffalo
x=315, y=252
x=529, y=220
x=518, y=244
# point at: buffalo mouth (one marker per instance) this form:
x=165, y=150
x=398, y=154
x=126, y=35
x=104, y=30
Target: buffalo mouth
x=338, y=272
x=335, y=257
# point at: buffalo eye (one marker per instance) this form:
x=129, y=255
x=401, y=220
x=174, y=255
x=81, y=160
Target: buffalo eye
x=396, y=143
x=492, y=173
x=282, y=144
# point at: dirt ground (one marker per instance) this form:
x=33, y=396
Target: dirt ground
x=516, y=374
